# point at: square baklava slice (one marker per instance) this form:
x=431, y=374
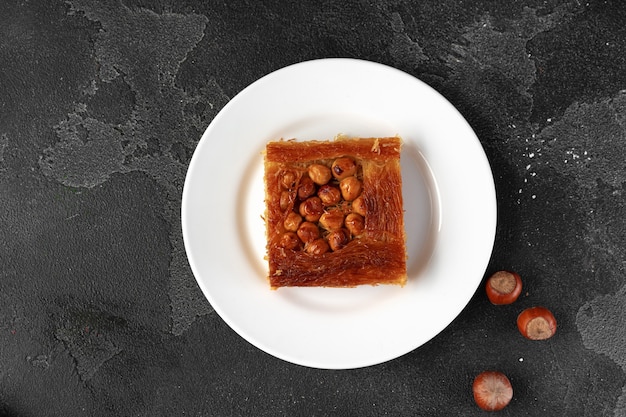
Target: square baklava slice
x=334, y=214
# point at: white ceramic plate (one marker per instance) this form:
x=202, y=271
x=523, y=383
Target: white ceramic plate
x=450, y=214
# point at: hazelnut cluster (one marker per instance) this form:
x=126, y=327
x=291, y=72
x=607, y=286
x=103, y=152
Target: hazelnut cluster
x=324, y=210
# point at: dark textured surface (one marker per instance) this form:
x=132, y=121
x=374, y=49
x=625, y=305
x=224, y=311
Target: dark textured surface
x=102, y=105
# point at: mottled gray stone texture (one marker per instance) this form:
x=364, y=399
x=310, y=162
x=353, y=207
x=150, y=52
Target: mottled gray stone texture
x=102, y=104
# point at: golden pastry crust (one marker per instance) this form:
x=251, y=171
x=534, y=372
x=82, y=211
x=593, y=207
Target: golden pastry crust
x=369, y=247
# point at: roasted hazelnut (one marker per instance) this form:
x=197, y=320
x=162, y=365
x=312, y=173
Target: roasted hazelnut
x=320, y=174
x=308, y=232
x=358, y=206
x=288, y=180
x=329, y=195
x=343, y=168
x=289, y=240
x=338, y=239
x=286, y=199
x=292, y=221
x=332, y=220
x=306, y=188
x=311, y=209
x=355, y=223
x=350, y=188
x=317, y=247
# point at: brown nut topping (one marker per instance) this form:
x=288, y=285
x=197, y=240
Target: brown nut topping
x=317, y=247
x=332, y=220
x=308, y=232
x=288, y=180
x=289, y=240
x=292, y=221
x=358, y=205
x=350, y=188
x=311, y=209
x=320, y=174
x=329, y=195
x=306, y=188
x=338, y=239
x=343, y=168
x=355, y=223
x=321, y=213
x=286, y=199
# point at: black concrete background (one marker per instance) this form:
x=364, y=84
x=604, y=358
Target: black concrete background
x=101, y=106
